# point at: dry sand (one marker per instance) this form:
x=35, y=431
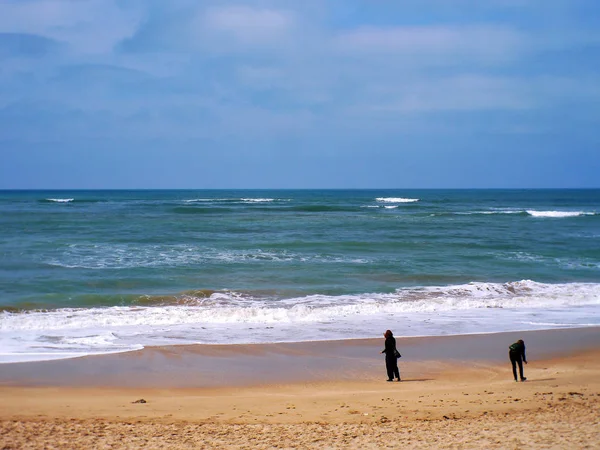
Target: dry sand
x=443, y=402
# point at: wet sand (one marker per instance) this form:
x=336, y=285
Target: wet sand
x=457, y=392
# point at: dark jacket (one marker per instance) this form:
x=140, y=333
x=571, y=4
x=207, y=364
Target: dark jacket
x=390, y=348
x=517, y=351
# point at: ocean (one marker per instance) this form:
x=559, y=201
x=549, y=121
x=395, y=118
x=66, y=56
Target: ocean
x=93, y=272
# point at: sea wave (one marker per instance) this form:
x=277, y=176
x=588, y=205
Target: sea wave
x=396, y=200
x=522, y=212
x=237, y=200
x=78, y=200
x=257, y=200
x=565, y=263
x=479, y=213
x=496, y=211
x=313, y=208
x=59, y=200
x=127, y=256
x=201, y=210
x=559, y=214
x=233, y=317
x=204, y=200
x=233, y=307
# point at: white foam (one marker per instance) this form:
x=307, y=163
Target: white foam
x=559, y=214
x=197, y=200
x=121, y=256
x=396, y=200
x=257, y=200
x=562, y=324
x=60, y=200
x=231, y=307
x=229, y=317
x=391, y=207
x=534, y=213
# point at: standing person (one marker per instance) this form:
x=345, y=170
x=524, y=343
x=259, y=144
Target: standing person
x=391, y=356
x=516, y=353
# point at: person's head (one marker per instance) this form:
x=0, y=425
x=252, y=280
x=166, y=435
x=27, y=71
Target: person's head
x=388, y=334
x=520, y=341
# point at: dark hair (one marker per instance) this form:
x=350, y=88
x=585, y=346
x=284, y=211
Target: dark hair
x=388, y=334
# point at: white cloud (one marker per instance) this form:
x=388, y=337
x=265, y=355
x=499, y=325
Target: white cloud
x=250, y=25
x=457, y=93
x=284, y=70
x=487, y=43
x=89, y=27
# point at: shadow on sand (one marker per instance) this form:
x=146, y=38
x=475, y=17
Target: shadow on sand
x=529, y=380
x=416, y=379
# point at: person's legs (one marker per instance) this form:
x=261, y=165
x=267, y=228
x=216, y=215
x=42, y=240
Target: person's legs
x=390, y=369
x=513, y=361
x=520, y=362
x=397, y=372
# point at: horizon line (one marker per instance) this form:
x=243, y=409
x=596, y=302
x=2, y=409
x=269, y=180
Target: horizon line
x=306, y=189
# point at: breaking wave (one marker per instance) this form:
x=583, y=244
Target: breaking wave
x=396, y=200
x=520, y=212
x=232, y=317
x=59, y=200
x=559, y=214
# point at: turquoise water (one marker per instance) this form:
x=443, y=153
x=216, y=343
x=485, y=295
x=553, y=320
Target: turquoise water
x=96, y=271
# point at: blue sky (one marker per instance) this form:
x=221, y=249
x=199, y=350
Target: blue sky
x=299, y=94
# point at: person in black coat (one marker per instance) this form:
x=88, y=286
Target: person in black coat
x=516, y=354
x=391, y=356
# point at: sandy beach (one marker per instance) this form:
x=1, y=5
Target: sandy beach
x=457, y=392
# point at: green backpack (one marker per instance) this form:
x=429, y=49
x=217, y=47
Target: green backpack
x=516, y=347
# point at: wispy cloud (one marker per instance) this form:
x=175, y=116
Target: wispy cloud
x=439, y=43
x=457, y=93
x=248, y=24
x=275, y=68
x=87, y=26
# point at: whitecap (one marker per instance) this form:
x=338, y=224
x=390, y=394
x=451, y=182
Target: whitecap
x=230, y=317
x=558, y=214
x=233, y=307
x=396, y=200
x=197, y=200
x=257, y=200
x=60, y=200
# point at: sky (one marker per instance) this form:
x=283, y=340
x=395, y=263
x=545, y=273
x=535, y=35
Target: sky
x=116, y=94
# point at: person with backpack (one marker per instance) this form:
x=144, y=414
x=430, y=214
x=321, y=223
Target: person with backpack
x=391, y=356
x=516, y=354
